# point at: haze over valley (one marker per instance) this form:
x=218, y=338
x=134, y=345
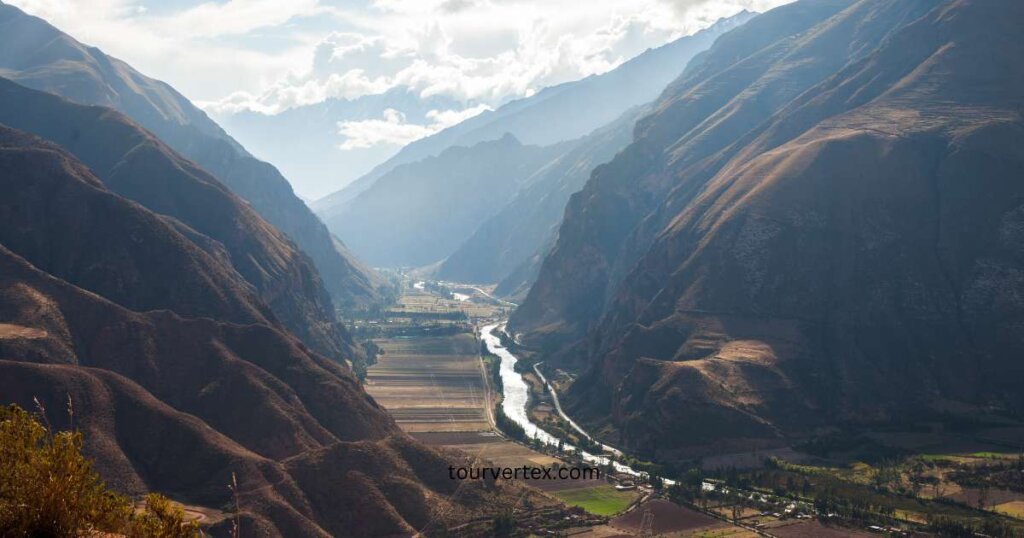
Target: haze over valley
x=699, y=268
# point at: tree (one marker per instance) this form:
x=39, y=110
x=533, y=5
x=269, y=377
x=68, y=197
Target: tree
x=694, y=478
x=504, y=524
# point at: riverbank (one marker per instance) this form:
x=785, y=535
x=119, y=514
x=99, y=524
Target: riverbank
x=516, y=396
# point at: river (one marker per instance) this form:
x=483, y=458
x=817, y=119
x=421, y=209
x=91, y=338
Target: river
x=516, y=394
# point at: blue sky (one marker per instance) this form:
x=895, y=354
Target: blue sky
x=268, y=55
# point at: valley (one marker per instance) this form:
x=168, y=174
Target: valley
x=433, y=377
x=639, y=270
x=444, y=392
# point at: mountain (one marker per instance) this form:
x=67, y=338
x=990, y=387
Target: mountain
x=557, y=114
x=508, y=247
x=419, y=213
x=37, y=55
x=304, y=142
x=180, y=381
x=136, y=165
x=820, y=223
x=609, y=223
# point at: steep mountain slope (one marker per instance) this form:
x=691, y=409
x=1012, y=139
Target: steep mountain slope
x=557, y=114
x=509, y=245
x=749, y=74
x=304, y=142
x=39, y=56
x=118, y=249
x=137, y=166
x=420, y=213
x=199, y=386
x=855, y=258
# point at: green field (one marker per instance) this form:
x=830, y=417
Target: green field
x=601, y=500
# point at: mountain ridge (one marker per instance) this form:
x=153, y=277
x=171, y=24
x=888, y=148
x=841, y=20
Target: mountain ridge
x=419, y=213
x=578, y=107
x=192, y=392
x=135, y=164
x=37, y=55
x=798, y=273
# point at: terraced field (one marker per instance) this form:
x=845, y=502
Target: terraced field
x=431, y=384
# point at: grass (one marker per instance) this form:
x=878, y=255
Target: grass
x=1014, y=509
x=992, y=455
x=601, y=500
x=937, y=458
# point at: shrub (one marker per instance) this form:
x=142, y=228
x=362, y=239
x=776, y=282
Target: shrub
x=47, y=488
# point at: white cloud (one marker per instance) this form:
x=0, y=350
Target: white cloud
x=393, y=129
x=234, y=17
x=529, y=44
x=268, y=55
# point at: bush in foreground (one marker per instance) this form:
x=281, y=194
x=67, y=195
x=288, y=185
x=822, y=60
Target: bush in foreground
x=47, y=488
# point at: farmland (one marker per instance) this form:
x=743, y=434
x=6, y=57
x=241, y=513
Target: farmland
x=488, y=446
x=667, y=518
x=601, y=499
x=435, y=386
x=431, y=384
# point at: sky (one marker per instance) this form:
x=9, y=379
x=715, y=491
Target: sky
x=270, y=55
x=458, y=58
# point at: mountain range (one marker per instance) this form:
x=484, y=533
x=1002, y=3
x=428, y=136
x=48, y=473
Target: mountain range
x=419, y=213
x=35, y=54
x=791, y=224
x=147, y=304
x=176, y=374
x=818, y=224
x=138, y=166
x=557, y=114
x=507, y=248
x=480, y=201
x=304, y=142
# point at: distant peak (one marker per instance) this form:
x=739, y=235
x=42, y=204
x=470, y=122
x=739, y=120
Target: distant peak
x=509, y=138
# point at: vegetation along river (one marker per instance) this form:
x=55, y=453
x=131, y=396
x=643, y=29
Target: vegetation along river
x=516, y=395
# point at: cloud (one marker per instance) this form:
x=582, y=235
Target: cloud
x=455, y=6
x=267, y=55
x=234, y=17
x=529, y=45
x=393, y=129
x=209, y=50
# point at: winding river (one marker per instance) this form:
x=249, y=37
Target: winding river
x=516, y=394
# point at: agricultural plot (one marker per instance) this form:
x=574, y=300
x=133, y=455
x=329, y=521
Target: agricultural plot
x=422, y=302
x=602, y=499
x=668, y=518
x=723, y=530
x=489, y=446
x=814, y=529
x=1012, y=509
x=431, y=384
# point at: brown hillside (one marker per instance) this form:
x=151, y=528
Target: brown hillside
x=176, y=401
x=136, y=165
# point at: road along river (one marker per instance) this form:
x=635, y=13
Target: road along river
x=561, y=413
x=516, y=395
